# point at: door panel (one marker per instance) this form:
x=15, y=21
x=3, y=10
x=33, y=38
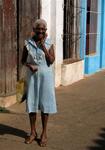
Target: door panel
x=16, y=19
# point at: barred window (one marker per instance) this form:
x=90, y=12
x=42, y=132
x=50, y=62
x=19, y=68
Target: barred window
x=71, y=39
x=91, y=28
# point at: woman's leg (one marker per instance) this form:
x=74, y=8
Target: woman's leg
x=44, y=118
x=32, y=117
x=29, y=139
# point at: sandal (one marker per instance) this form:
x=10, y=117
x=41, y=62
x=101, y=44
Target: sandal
x=30, y=138
x=43, y=142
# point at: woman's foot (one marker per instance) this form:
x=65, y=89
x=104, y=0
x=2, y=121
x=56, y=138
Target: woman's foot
x=43, y=141
x=30, y=138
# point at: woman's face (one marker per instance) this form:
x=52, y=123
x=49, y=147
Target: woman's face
x=40, y=31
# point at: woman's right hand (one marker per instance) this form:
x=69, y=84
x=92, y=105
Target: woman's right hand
x=33, y=68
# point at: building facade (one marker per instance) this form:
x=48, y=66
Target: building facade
x=76, y=27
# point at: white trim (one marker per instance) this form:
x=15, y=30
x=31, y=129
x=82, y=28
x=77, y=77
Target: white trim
x=95, y=12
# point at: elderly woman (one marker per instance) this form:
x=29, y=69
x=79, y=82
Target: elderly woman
x=38, y=56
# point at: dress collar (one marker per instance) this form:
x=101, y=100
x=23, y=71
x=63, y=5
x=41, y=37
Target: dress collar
x=32, y=42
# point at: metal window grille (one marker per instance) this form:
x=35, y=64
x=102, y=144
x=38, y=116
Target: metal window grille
x=72, y=35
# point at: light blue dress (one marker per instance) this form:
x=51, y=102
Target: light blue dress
x=40, y=85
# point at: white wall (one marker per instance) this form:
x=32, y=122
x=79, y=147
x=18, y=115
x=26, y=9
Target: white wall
x=72, y=72
x=59, y=41
x=46, y=12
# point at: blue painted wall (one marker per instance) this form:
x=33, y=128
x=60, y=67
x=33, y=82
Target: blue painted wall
x=102, y=45
x=93, y=63
x=83, y=28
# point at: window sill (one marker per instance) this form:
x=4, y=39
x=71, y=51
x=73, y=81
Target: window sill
x=70, y=61
x=92, y=52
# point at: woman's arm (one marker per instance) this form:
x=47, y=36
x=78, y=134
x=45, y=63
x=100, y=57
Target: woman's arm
x=49, y=54
x=24, y=56
x=33, y=68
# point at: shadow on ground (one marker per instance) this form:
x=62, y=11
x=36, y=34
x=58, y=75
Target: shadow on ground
x=5, y=129
x=99, y=142
x=4, y=110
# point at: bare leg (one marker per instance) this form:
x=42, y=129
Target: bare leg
x=44, y=118
x=32, y=117
x=33, y=135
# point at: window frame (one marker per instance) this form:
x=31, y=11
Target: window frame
x=91, y=12
x=72, y=54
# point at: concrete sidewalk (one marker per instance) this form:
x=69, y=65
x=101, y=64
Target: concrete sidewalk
x=78, y=125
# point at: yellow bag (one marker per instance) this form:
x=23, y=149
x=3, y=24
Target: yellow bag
x=20, y=91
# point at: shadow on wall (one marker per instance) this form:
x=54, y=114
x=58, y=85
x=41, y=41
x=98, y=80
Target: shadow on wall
x=4, y=129
x=99, y=142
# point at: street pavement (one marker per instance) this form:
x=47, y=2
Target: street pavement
x=78, y=125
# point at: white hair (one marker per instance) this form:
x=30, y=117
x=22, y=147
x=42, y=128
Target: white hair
x=40, y=21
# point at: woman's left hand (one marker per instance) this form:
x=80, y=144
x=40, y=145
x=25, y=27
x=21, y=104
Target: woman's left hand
x=33, y=68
